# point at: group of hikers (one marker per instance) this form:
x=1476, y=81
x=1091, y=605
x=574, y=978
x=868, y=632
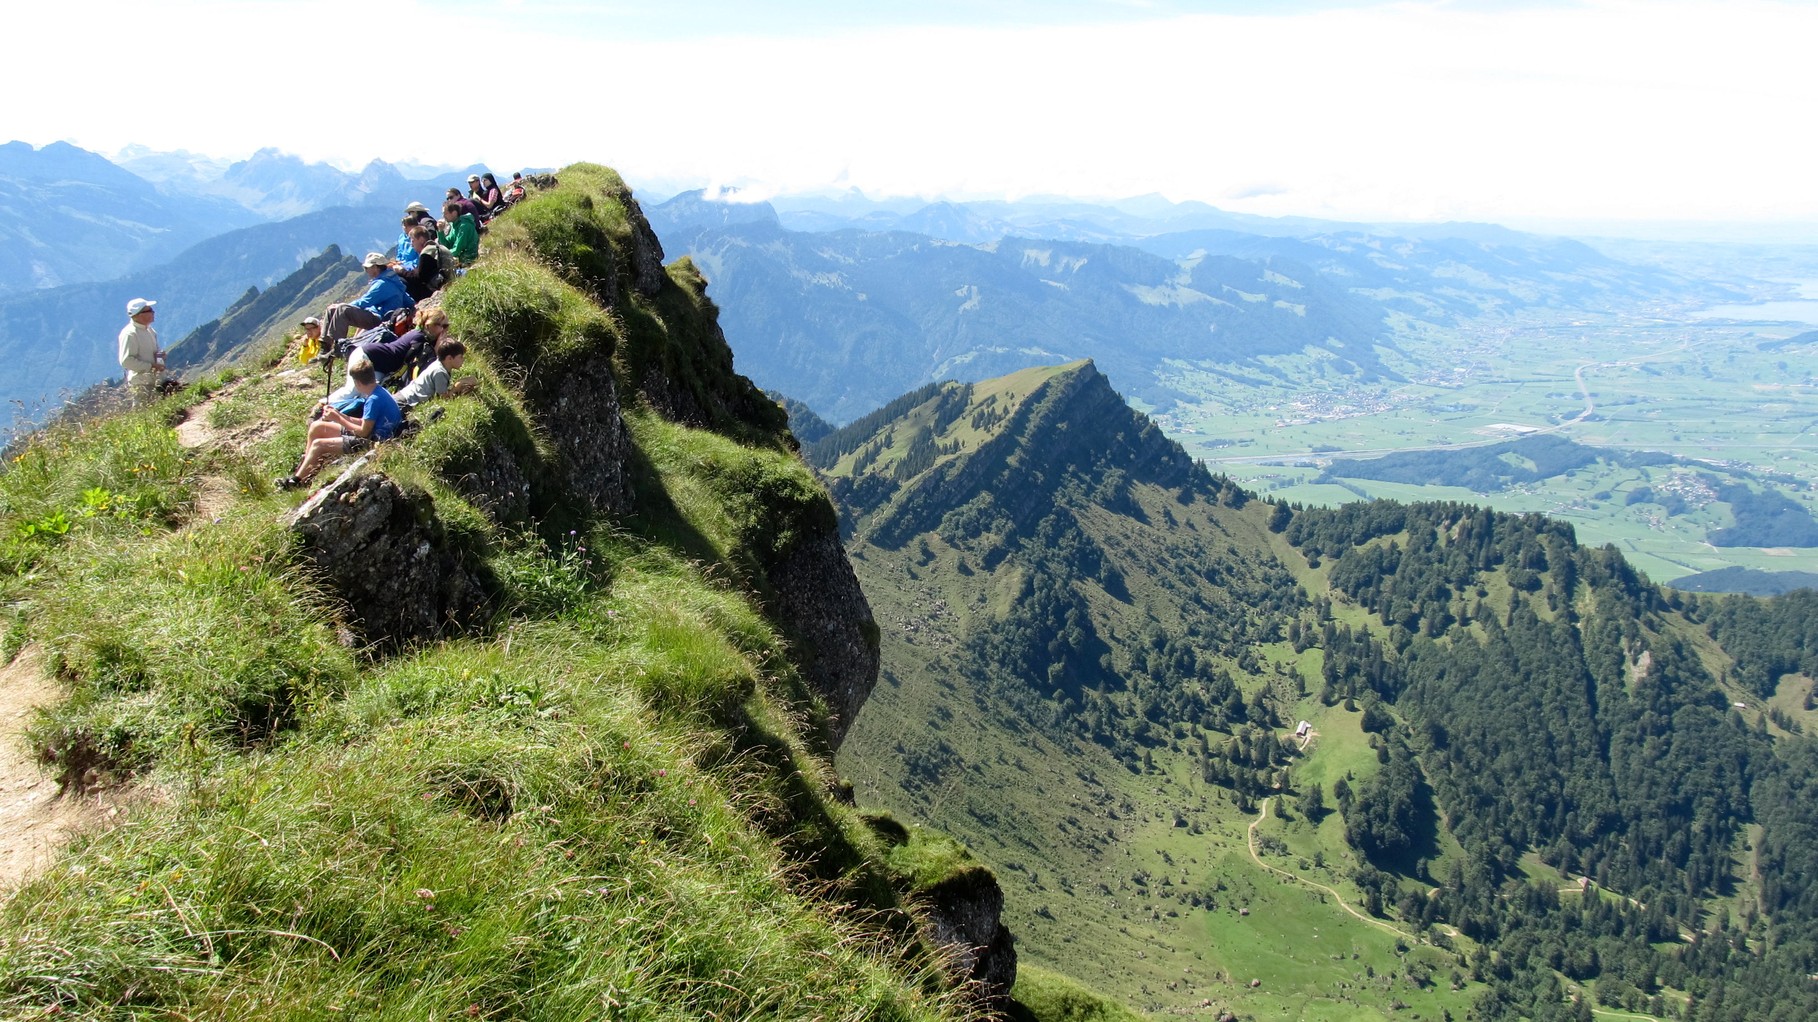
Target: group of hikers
x=393, y=338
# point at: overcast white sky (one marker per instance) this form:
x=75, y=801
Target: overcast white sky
x=1519, y=112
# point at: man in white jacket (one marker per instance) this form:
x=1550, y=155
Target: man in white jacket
x=140, y=355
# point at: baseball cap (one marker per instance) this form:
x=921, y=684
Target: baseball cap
x=416, y=207
x=375, y=259
x=138, y=305
x=310, y=321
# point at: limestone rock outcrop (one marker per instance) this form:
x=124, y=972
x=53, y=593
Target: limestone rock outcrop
x=384, y=552
x=819, y=599
x=963, y=916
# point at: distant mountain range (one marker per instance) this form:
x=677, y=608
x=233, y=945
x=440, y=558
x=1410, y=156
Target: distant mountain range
x=68, y=216
x=803, y=309
x=1147, y=288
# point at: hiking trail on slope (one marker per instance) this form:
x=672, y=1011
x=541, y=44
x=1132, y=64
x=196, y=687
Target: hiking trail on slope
x=36, y=819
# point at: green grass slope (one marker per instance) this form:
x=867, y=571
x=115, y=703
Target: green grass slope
x=609, y=799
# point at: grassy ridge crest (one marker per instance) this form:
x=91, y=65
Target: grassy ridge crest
x=608, y=801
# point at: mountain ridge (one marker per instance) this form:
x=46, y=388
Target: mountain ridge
x=1163, y=710
x=562, y=670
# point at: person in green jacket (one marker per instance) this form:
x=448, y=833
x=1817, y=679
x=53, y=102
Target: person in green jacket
x=460, y=234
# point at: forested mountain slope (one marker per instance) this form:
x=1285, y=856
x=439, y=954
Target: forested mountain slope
x=1534, y=784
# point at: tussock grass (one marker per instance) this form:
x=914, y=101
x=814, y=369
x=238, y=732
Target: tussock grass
x=573, y=233
x=519, y=311
x=750, y=503
x=209, y=637
x=112, y=477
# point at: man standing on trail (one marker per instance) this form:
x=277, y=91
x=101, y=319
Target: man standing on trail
x=140, y=355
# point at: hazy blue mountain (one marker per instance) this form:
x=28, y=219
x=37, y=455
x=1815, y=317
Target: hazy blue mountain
x=176, y=170
x=258, y=314
x=693, y=211
x=846, y=320
x=64, y=338
x=1044, y=216
x=1441, y=271
x=281, y=185
x=68, y=215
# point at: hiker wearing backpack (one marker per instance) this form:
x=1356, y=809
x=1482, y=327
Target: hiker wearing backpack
x=433, y=266
x=384, y=294
x=460, y=233
x=337, y=433
x=140, y=355
x=392, y=354
x=515, y=194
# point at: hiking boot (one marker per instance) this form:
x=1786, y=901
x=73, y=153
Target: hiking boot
x=288, y=483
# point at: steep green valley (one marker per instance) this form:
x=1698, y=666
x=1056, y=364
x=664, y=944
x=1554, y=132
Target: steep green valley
x=1532, y=784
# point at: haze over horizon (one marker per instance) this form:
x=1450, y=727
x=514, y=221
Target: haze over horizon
x=1581, y=117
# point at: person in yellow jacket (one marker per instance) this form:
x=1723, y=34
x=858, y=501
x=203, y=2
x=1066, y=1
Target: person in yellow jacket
x=312, y=339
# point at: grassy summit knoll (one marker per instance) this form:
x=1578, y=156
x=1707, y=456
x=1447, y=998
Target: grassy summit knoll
x=601, y=791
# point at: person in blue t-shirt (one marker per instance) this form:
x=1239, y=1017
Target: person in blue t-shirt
x=337, y=433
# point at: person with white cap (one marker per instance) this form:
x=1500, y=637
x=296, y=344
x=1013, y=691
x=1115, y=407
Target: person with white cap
x=384, y=295
x=140, y=355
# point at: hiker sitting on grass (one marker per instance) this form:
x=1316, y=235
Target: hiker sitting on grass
x=460, y=233
x=337, y=433
x=432, y=266
x=433, y=381
x=309, y=345
x=390, y=354
x=486, y=195
x=466, y=204
x=384, y=295
x=406, y=262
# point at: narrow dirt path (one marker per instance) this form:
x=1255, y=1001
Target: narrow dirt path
x=1623, y=1014
x=1250, y=844
x=215, y=492
x=35, y=819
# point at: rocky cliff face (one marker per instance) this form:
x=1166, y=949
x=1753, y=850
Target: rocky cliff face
x=964, y=917
x=385, y=552
x=819, y=597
